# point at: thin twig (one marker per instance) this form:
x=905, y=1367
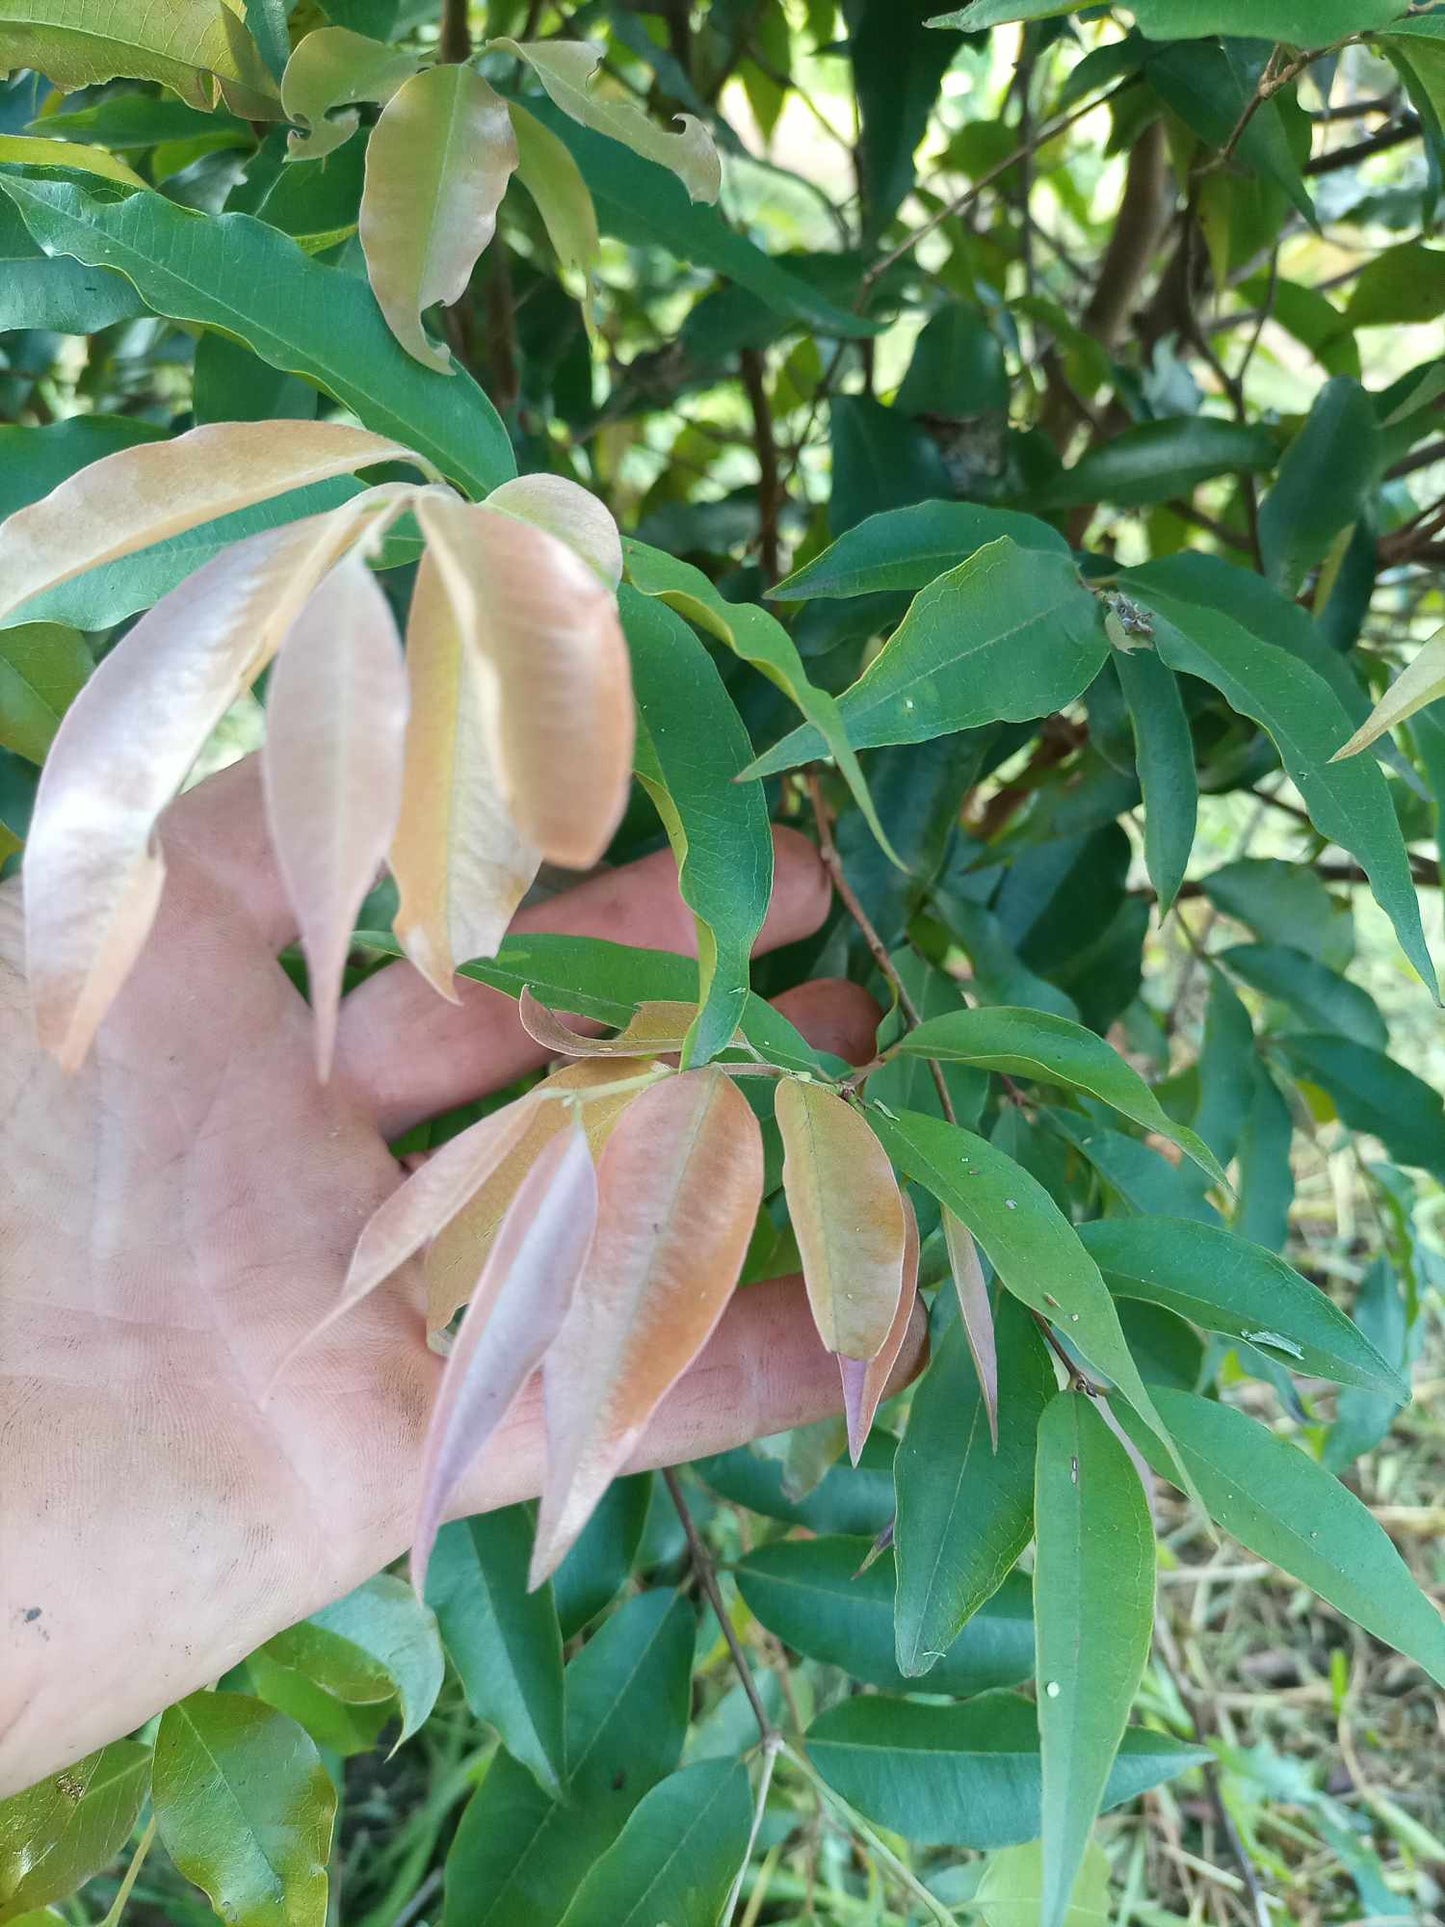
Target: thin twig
x=766, y=449
x=856, y=1824
x=132, y=1874
x=706, y=1571
x=771, y=1749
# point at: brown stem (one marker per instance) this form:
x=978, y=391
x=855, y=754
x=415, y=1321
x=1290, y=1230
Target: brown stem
x=702, y=1565
x=766, y=449
x=454, y=44
x=501, y=306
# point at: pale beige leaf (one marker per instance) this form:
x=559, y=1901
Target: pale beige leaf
x=437, y=165
x=141, y=495
x=545, y=634
x=521, y=1300
x=864, y=1385
x=459, y=1251
x=332, y=762
x=567, y=511
x=93, y=868
x=460, y=866
x=680, y=1184
x=199, y=48
x=976, y=1312
x=659, y=1028
x=547, y=170
x=332, y=68
x=847, y=1214
x=567, y=69
x=1421, y=682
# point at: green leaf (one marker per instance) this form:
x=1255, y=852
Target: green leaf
x=1283, y=903
x=1283, y=1506
x=1265, y=1182
x=815, y=1595
x=1039, y=1045
x=1225, y=1070
x=59, y=1832
x=389, y=1623
x=849, y=1499
x=234, y=273
x=1402, y=285
x=36, y=292
x=965, y=1510
x=897, y=67
x=759, y=638
x=198, y=48
x=503, y=1640
x=43, y=667
x=1228, y=1285
x=691, y=744
x=1164, y=751
x=641, y=204
x=1008, y=635
x=1348, y=802
x=1159, y=459
x=519, y=1857
x=36, y=460
x=1094, y=1617
x=1362, y=1418
x=1210, y=87
x=244, y=1807
x=599, y=1564
x=1373, y=1093
x=1322, y=997
x=1031, y=1245
x=965, y=1775
x=1301, y=23
x=1011, y=1891
x=677, y=1855
x=881, y=460
x=1139, y=1176
x=906, y=548
x=1325, y=482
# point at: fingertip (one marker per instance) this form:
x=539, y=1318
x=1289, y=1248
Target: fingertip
x=834, y=1015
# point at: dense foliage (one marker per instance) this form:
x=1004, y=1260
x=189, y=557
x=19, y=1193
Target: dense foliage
x=1004, y=446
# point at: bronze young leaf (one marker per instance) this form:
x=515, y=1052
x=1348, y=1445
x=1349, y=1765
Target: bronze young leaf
x=865, y=1384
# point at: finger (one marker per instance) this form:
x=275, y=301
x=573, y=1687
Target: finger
x=220, y=828
x=834, y=1015
x=762, y=1371
x=408, y=1054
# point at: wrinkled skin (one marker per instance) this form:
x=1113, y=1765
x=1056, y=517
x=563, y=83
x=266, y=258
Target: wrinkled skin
x=179, y=1212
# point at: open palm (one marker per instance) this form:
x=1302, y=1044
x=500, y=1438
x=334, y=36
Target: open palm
x=179, y=1212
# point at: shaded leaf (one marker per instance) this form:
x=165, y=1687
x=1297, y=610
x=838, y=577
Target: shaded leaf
x=245, y=1809
x=1159, y=459
x=679, y=1187
x=437, y=165
x=517, y=1310
x=1164, y=754
x=1094, y=1617
x=332, y=68
x=1325, y=482
x=1317, y=994
x=1374, y=1093
x=386, y=1620
x=60, y=1831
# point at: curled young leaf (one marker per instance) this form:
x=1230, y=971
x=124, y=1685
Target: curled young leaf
x=335, y=726
x=567, y=511
x=459, y=1251
x=864, y=1385
x=437, y=166
x=1422, y=681
x=520, y=1303
x=848, y=1217
x=93, y=870
x=679, y=1188
x=460, y=866
x=142, y=495
x=544, y=632
x=332, y=68
x=975, y=1312
x=566, y=69
x=547, y=170
x=657, y=1028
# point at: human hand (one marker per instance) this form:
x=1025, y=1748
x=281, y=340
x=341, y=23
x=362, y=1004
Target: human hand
x=180, y=1211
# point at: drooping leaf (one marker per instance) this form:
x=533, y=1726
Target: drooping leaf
x=460, y=865
x=1226, y=1284
x=691, y=743
x=198, y=48
x=965, y=1506
x=1283, y=1506
x=544, y=635
x=1422, y=681
x=897, y=67
x=676, y=1856
x=820, y=1598
x=331, y=68
x=519, y=1306
x=503, y=1640
x=65, y=1828
x=1037, y=1044
x=1094, y=1618
x=975, y=1311
x=907, y=548
x=93, y=871
x=567, y=70
x=237, y=274
x=1325, y=482
x=1164, y=751
x=679, y=1185
x=245, y=1808
x=43, y=667
x=966, y=1775
x=137, y=496
x=1374, y=1093
x=864, y=1384
x=1349, y=802
x=567, y=511
x=332, y=768
x=386, y=1620
x=437, y=165
x=1008, y=635
x=553, y=179
x=847, y=1214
